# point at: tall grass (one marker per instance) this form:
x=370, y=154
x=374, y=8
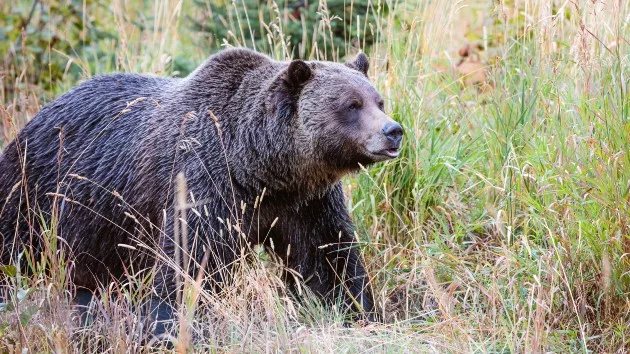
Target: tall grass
x=503, y=227
x=511, y=204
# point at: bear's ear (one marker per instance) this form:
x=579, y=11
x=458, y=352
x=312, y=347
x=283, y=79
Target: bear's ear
x=361, y=63
x=288, y=86
x=298, y=73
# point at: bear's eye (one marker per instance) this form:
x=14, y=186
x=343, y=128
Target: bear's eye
x=354, y=106
x=381, y=105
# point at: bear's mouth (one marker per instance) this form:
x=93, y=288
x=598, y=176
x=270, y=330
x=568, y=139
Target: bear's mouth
x=389, y=153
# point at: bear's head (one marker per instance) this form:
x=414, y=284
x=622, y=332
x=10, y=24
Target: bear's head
x=338, y=114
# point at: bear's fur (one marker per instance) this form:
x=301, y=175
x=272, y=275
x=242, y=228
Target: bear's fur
x=104, y=159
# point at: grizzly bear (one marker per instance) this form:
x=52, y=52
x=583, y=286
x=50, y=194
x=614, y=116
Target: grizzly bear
x=262, y=145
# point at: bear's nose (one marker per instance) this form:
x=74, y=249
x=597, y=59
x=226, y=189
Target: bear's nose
x=393, y=131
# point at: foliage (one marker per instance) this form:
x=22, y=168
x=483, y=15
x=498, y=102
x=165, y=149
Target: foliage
x=44, y=36
x=299, y=28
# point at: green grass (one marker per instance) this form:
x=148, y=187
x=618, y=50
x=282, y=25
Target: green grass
x=503, y=227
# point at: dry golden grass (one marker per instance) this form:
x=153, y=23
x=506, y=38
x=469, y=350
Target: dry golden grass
x=502, y=227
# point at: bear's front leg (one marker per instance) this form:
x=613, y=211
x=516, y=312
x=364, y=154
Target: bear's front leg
x=344, y=273
x=322, y=248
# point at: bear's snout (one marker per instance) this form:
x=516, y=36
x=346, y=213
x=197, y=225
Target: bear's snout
x=385, y=140
x=394, y=132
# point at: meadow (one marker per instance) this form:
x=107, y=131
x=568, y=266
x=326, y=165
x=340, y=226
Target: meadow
x=503, y=227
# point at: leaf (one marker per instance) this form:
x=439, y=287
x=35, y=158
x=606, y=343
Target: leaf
x=6, y=306
x=9, y=270
x=27, y=314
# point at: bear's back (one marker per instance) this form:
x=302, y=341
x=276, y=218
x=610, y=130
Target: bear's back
x=86, y=145
x=85, y=128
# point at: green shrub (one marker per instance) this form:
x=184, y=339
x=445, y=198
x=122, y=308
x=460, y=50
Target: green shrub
x=323, y=30
x=43, y=36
